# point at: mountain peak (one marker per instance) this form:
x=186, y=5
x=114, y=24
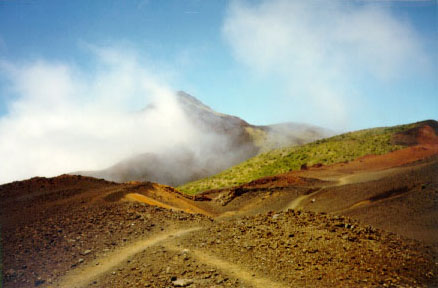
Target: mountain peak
x=226, y=140
x=187, y=99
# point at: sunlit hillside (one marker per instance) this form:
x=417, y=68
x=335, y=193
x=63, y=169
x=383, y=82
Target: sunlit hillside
x=344, y=147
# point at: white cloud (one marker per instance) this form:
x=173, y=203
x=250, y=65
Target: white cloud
x=320, y=50
x=64, y=120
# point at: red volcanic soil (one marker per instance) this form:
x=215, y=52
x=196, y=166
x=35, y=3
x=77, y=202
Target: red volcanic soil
x=275, y=181
x=320, y=175
x=372, y=162
x=422, y=139
x=393, y=159
x=423, y=134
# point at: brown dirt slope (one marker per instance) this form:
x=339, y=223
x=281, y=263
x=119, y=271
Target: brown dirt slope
x=427, y=133
x=52, y=226
x=90, y=234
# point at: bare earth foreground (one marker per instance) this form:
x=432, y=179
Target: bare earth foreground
x=371, y=222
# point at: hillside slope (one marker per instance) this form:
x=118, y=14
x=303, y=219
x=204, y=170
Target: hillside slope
x=72, y=231
x=341, y=148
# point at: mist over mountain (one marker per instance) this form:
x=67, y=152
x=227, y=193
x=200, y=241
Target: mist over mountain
x=63, y=120
x=225, y=140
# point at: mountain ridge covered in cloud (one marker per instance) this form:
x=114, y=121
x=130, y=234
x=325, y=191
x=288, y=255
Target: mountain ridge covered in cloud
x=63, y=119
x=228, y=140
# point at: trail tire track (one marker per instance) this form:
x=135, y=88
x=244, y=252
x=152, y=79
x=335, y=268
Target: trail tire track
x=231, y=269
x=83, y=276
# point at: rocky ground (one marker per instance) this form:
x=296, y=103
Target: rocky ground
x=40, y=252
x=72, y=231
x=47, y=235
x=287, y=249
x=401, y=199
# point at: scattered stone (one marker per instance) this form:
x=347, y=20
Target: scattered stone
x=39, y=282
x=182, y=282
x=11, y=273
x=282, y=246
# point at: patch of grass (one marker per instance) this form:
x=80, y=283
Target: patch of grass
x=340, y=148
x=258, y=136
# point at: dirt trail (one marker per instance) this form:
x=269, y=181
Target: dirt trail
x=232, y=269
x=295, y=204
x=358, y=177
x=83, y=276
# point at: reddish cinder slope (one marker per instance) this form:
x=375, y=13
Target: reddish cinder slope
x=422, y=142
x=371, y=163
x=423, y=134
x=397, y=191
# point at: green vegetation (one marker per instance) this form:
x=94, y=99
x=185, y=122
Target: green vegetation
x=345, y=147
x=258, y=136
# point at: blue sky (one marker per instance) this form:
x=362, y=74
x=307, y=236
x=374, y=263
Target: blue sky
x=186, y=38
